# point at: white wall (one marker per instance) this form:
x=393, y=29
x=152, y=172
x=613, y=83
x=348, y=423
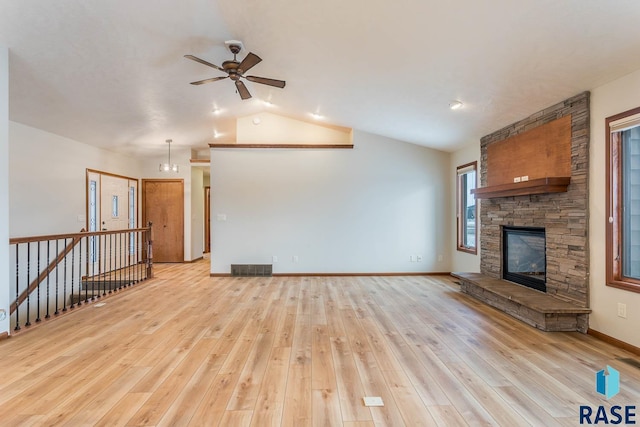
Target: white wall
x=4, y=188
x=363, y=210
x=47, y=175
x=612, y=98
x=463, y=261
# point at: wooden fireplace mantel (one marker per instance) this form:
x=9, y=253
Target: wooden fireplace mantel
x=536, y=161
x=534, y=186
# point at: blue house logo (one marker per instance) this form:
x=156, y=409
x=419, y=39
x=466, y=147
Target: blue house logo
x=608, y=384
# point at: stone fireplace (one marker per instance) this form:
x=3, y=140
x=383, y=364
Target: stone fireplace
x=561, y=266
x=564, y=215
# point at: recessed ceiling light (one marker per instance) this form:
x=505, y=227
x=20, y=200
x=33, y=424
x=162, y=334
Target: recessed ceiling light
x=217, y=134
x=216, y=110
x=317, y=116
x=256, y=121
x=455, y=105
x=268, y=103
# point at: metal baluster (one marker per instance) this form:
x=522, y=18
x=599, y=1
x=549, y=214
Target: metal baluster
x=110, y=263
x=93, y=277
x=137, y=270
x=120, y=261
x=149, y=244
x=57, y=278
x=38, y=319
x=28, y=323
x=103, y=266
x=143, y=261
x=73, y=275
x=86, y=282
x=64, y=281
x=123, y=263
x=103, y=277
x=131, y=261
x=48, y=276
x=17, y=328
x=134, y=266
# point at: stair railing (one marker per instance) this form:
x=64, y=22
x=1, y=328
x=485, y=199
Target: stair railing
x=55, y=273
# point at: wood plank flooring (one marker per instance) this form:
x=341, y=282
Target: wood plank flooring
x=185, y=349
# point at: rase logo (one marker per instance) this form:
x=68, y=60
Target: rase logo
x=608, y=385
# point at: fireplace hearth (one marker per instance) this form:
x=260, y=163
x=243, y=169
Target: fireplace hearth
x=524, y=256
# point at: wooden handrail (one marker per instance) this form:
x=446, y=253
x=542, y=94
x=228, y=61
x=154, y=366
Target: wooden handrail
x=16, y=240
x=75, y=239
x=43, y=275
x=130, y=267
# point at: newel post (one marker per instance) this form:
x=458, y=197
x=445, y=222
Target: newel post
x=149, y=239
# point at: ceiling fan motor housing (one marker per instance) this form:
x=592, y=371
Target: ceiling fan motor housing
x=234, y=46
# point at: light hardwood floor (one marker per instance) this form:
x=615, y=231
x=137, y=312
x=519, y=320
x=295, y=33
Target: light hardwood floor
x=188, y=349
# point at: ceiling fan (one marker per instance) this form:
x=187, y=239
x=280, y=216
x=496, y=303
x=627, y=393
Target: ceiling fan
x=235, y=70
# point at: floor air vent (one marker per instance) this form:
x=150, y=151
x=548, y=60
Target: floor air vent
x=631, y=362
x=251, y=270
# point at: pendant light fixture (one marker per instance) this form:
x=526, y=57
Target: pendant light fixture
x=169, y=167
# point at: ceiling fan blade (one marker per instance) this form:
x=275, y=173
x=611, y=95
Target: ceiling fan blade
x=266, y=81
x=202, y=61
x=214, y=79
x=242, y=90
x=249, y=61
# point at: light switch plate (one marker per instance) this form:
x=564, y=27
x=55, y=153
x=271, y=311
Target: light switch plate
x=373, y=401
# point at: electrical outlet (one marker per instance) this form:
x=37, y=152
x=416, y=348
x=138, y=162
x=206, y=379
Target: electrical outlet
x=3, y=314
x=440, y=258
x=524, y=178
x=412, y=258
x=622, y=310
x=295, y=258
x=418, y=258
x=516, y=179
x=274, y=258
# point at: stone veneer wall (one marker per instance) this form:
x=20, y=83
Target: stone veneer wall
x=563, y=215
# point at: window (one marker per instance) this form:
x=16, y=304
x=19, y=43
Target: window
x=623, y=200
x=115, y=212
x=93, y=219
x=466, y=207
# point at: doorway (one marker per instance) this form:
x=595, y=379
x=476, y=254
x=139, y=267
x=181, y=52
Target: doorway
x=163, y=206
x=111, y=204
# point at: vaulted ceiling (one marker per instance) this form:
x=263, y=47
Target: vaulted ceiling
x=112, y=73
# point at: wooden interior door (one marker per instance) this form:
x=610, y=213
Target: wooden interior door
x=163, y=205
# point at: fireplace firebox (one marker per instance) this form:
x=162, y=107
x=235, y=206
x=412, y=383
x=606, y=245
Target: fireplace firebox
x=524, y=256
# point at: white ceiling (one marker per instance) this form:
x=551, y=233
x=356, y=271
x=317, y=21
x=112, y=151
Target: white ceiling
x=112, y=73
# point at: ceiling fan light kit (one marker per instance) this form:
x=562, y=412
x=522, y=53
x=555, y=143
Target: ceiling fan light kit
x=235, y=70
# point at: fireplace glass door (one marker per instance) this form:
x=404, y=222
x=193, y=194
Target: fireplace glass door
x=524, y=256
